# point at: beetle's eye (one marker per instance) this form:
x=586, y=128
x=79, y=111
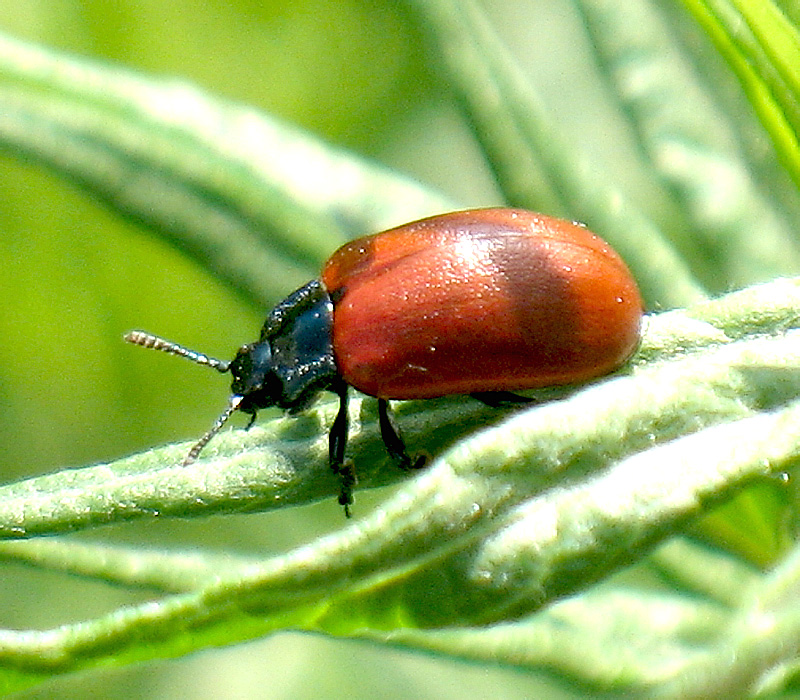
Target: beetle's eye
x=250, y=368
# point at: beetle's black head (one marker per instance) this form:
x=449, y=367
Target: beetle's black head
x=254, y=378
x=286, y=367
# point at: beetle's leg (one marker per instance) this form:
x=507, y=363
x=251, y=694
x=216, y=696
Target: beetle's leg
x=336, y=447
x=394, y=441
x=501, y=399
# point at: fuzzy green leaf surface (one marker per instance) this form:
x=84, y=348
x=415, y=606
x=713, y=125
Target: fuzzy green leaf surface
x=669, y=644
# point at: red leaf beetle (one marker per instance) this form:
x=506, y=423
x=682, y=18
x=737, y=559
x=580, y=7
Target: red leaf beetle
x=481, y=302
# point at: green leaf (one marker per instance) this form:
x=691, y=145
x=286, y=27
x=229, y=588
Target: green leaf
x=688, y=640
x=762, y=46
x=242, y=193
x=691, y=143
x=167, y=572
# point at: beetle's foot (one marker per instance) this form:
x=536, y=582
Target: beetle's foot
x=348, y=480
x=408, y=463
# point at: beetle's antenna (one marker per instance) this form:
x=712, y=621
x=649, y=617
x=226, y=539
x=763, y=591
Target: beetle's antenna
x=148, y=340
x=194, y=453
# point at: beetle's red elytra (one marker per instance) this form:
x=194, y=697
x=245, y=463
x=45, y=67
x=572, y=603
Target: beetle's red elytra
x=479, y=301
x=482, y=302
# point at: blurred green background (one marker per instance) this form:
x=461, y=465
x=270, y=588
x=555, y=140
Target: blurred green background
x=75, y=277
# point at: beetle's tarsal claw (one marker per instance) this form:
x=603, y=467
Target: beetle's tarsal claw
x=347, y=475
x=420, y=461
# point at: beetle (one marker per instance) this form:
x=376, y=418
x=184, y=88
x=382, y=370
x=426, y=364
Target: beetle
x=483, y=302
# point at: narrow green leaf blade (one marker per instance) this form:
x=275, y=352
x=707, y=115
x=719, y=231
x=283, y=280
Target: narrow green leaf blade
x=761, y=45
